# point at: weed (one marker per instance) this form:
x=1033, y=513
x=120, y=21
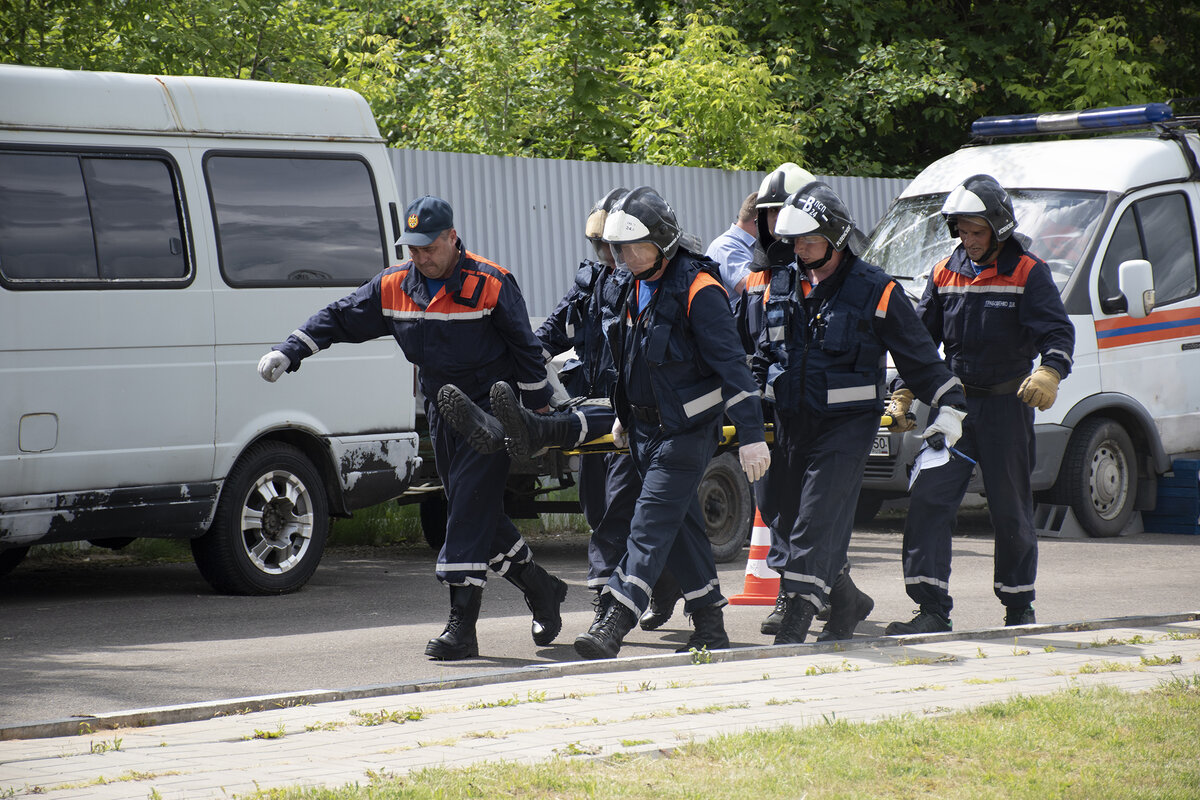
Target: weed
x=635, y=742
x=278, y=733
x=383, y=716
x=99, y=748
x=701, y=656
x=577, y=749
x=825, y=669
x=1160, y=661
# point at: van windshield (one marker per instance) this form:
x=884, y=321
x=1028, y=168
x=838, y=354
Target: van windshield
x=912, y=237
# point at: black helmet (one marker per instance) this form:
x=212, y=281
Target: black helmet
x=816, y=210
x=596, y=217
x=780, y=184
x=981, y=196
x=643, y=216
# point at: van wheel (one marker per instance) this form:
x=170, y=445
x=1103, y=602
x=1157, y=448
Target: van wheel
x=728, y=506
x=271, y=524
x=1099, y=476
x=10, y=558
x=434, y=511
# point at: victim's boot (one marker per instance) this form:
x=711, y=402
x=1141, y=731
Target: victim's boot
x=544, y=594
x=797, y=617
x=528, y=433
x=663, y=597
x=848, y=606
x=481, y=430
x=709, y=630
x=604, y=638
x=458, y=640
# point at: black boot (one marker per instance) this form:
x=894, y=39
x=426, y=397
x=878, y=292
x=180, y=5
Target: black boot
x=848, y=606
x=544, y=595
x=458, y=640
x=663, y=598
x=1019, y=615
x=928, y=620
x=710, y=630
x=481, y=430
x=770, y=625
x=527, y=433
x=604, y=638
x=797, y=617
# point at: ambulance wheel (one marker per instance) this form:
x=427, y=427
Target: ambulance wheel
x=434, y=511
x=272, y=520
x=728, y=506
x=1099, y=476
x=10, y=558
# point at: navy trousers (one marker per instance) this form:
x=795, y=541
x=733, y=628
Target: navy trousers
x=817, y=465
x=667, y=530
x=997, y=433
x=479, y=535
x=609, y=485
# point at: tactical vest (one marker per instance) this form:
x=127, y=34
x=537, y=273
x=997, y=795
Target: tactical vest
x=688, y=391
x=834, y=362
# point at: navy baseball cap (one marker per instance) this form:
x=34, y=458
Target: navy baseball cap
x=425, y=220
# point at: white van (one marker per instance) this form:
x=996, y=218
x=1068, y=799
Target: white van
x=1115, y=218
x=157, y=236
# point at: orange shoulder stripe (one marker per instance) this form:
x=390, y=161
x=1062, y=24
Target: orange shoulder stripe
x=392, y=296
x=701, y=280
x=881, y=309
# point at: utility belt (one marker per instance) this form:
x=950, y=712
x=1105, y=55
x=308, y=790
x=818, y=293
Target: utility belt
x=646, y=414
x=1008, y=387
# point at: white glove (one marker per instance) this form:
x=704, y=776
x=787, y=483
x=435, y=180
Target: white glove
x=948, y=423
x=272, y=365
x=755, y=459
x=620, y=440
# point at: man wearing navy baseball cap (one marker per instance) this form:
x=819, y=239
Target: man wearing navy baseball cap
x=460, y=319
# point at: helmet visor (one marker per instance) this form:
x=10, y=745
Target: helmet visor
x=636, y=257
x=604, y=253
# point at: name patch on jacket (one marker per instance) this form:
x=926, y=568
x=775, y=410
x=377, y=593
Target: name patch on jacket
x=999, y=302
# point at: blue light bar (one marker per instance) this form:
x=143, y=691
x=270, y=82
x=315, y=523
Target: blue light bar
x=1094, y=119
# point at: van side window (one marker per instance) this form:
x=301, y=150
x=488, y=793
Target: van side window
x=1160, y=230
x=283, y=221
x=94, y=219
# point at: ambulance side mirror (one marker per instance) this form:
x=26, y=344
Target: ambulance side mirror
x=1136, y=280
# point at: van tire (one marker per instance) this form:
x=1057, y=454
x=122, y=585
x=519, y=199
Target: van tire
x=1099, y=476
x=728, y=506
x=10, y=558
x=236, y=556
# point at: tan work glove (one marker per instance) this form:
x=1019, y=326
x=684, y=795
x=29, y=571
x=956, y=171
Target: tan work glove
x=1040, y=389
x=897, y=408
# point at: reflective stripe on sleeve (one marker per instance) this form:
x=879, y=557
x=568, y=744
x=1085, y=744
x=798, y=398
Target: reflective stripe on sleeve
x=702, y=403
x=851, y=394
x=307, y=340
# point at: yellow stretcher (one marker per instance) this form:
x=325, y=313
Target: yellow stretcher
x=604, y=444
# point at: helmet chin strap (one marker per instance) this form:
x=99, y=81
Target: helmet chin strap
x=990, y=254
x=820, y=262
x=645, y=274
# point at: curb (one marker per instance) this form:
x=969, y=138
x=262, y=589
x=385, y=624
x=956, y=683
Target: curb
x=197, y=712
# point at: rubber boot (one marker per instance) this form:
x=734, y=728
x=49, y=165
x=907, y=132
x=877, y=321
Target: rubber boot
x=665, y=595
x=1019, y=615
x=604, y=638
x=848, y=606
x=527, y=433
x=544, y=594
x=770, y=624
x=458, y=640
x=481, y=430
x=797, y=617
x=709, y=633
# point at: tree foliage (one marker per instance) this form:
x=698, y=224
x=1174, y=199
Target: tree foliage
x=841, y=86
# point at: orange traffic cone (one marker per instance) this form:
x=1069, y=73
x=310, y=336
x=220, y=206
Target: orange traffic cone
x=762, y=583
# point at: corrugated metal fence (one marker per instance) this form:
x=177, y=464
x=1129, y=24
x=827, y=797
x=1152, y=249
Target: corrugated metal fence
x=527, y=214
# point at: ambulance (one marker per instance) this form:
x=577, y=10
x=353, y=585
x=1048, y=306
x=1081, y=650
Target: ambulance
x=157, y=236
x=1109, y=199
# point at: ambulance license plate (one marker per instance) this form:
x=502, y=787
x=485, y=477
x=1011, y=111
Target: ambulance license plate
x=882, y=446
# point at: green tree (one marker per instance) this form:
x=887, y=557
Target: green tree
x=705, y=100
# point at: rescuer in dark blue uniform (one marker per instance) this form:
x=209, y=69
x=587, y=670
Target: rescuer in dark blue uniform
x=679, y=370
x=820, y=359
x=848, y=605
x=460, y=319
x=994, y=307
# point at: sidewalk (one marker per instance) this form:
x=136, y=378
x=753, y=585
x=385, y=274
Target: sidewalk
x=589, y=709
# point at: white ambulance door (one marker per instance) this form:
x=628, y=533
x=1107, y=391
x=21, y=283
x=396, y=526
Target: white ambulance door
x=1155, y=360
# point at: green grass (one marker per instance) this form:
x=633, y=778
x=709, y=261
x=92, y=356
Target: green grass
x=1091, y=744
